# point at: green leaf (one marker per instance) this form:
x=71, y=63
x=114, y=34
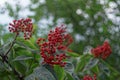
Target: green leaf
x=82, y=62
x=75, y=77
x=59, y=72
x=92, y=62
x=104, y=68
x=21, y=51
x=103, y=76
x=41, y=73
x=69, y=77
x=107, y=70
x=116, y=72
x=73, y=54
x=22, y=58
x=1, y=65
x=1, y=51
x=20, y=67
x=26, y=47
x=30, y=44
x=3, y=74
x=95, y=69
x=30, y=77
x=7, y=37
x=4, y=48
x=69, y=67
x=51, y=69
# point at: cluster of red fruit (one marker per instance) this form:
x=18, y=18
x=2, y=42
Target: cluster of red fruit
x=102, y=51
x=88, y=77
x=22, y=25
x=54, y=48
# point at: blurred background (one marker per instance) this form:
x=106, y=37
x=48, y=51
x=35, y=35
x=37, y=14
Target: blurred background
x=90, y=22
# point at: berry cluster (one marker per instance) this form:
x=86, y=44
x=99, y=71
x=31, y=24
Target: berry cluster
x=22, y=25
x=102, y=51
x=88, y=77
x=53, y=49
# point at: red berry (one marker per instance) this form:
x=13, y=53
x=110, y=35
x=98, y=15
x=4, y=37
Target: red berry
x=102, y=51
x=56, y=41
x=22, y=25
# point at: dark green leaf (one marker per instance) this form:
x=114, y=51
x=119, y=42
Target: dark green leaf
x=92, y=62
x=104, y=68
x=69, y=67
x=22, y=58
x=75, y=77
x=20, y=67
x=82, y=62
x=4, y=48
x=1, y=65
x=69, y=77
x=41, y=73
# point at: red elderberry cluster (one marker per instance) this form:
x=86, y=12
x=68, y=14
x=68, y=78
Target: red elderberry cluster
x=22, y=25
x=88, y=77
x=102, y=51
x=54, y=48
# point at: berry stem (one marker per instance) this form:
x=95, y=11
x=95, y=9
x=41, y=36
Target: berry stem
x=11, y=45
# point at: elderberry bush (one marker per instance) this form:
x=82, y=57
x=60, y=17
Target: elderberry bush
x=51, y=58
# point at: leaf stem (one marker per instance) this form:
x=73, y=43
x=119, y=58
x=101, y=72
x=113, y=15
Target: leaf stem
x=5, y=59
x=11, y=45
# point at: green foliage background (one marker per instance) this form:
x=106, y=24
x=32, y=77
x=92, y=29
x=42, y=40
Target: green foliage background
x=87, y=19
